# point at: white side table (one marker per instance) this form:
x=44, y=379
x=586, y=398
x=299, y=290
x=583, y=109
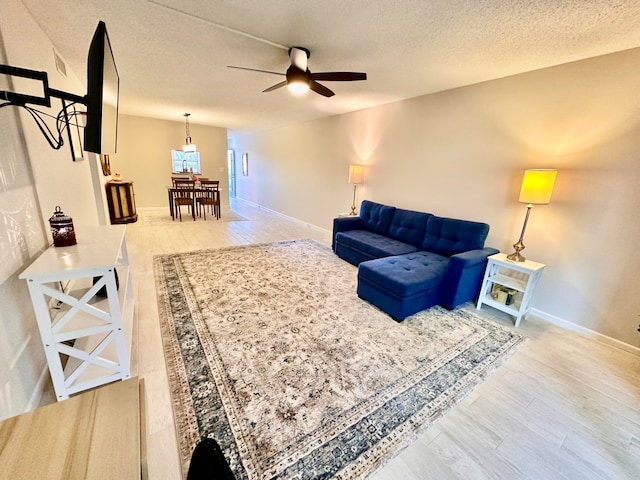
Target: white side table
x=509, y=286
x=86, y=337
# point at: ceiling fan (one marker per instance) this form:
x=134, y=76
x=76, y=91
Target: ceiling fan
x=298, y=78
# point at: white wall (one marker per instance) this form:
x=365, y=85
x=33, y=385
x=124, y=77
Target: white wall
x=27, y=46
x=144, y=155
x=462, y=153
x=34, y=178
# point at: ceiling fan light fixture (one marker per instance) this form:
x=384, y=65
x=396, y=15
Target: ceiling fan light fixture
x=298, y=87
x=298, y=81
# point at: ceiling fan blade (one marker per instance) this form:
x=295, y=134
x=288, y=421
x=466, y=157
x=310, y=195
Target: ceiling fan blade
x=255, y=70
x=321, y=89
x=273, y=87
x=339, y=76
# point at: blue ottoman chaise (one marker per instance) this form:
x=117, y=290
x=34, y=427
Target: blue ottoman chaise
x=409, y=261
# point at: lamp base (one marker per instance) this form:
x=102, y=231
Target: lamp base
x=519, y=245
x=353, y=204
x=515, y=256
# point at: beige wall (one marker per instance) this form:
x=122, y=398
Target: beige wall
x=461, y=153
x=144, y=155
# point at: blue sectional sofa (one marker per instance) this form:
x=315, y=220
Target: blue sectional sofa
x=409, y=261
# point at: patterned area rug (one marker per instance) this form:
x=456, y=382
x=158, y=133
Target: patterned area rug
x=271, y=352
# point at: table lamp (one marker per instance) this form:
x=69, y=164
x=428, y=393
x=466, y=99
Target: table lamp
x=537, y=187
x=355, y=178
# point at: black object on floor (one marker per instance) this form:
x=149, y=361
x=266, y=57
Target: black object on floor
x=208, y=462
x=103, y=291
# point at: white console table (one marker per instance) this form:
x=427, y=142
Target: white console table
x=86, y=337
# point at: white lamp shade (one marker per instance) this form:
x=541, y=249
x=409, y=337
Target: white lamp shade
x=537, y=186
x=356, y=174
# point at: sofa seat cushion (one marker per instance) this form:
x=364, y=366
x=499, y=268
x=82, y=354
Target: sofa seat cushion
x=406, y=275
x=373, y=244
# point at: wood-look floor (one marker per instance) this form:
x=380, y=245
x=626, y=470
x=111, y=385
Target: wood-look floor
x=563, y=407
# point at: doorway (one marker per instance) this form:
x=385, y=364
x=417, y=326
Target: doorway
x=231, y=168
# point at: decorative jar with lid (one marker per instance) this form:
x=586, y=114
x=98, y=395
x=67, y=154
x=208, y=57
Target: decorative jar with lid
x=62, y=229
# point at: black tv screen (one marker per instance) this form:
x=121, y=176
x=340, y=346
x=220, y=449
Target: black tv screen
x=103, y=83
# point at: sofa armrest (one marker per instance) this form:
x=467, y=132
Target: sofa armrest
x=464, y=275
x=473, y=257
x=343, y=224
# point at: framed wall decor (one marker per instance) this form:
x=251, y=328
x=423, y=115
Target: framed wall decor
x=105, y=164
x=245, y=164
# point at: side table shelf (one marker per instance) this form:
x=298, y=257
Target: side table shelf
x=83, y=301
x=520, y=278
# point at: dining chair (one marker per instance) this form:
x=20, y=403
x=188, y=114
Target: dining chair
x=209, y=195
x=173, y=180
x=184, y=194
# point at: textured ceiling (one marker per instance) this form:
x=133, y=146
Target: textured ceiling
x=172, y=54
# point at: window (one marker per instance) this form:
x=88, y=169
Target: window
x=185, y=161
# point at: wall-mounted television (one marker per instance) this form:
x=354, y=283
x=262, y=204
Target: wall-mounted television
x=103, y=84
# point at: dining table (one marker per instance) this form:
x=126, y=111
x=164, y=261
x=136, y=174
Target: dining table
x=199, y=191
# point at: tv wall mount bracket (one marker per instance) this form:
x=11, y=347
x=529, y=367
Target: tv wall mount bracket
x=25, y=100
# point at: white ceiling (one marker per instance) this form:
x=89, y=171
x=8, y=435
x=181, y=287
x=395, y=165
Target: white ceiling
x=172, y=55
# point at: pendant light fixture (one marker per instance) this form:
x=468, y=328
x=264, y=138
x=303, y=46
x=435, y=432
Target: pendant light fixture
x=188, y=146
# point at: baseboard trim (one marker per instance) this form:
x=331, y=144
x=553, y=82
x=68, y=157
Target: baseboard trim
x=561, y=322
x=36, y=396
x=19, y=352
x=282, y=215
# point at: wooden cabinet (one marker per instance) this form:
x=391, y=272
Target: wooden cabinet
x=121, y=200
x=84, y=309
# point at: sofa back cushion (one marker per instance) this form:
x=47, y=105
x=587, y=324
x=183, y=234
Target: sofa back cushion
x=408, y=226
x=376, y=217
x=449, y=236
